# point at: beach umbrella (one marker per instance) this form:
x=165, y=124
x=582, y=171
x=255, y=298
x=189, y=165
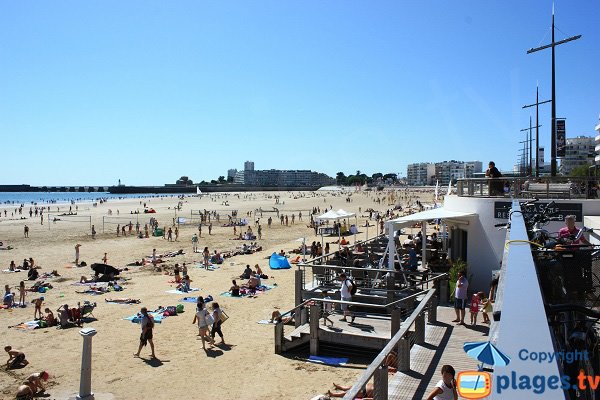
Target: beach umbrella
x=487, y=353
x=104, y=269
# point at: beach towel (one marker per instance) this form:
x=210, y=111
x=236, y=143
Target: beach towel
x=29, y=325
x=265, y=322
x=211, y=267
x=279, y=262
x=207, y=299
x=89, y=284
x=175, y=291
x=156, y=316
x=16, y=270
x=245, y=292
x=335, y=361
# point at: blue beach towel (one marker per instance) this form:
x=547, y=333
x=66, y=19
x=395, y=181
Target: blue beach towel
x=335, y=361
x=207, y=299
x=157, y=317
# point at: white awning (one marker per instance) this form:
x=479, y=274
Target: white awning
x=344, y=214
x=436, y=213
x=329, y=215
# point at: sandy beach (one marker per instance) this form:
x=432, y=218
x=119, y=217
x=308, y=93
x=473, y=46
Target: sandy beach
x=247, y=368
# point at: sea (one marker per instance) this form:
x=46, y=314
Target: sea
x=40, y=198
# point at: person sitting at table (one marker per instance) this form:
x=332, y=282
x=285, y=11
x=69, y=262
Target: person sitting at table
x=344, y=242
x=410, y=261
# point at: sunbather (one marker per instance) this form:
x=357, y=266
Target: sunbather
x=49, y=317
x=366, y=393
x=63, y=316
x=234, y=289
x=123, y=301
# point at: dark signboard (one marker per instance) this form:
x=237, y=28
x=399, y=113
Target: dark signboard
x=502, y=208
x=561, y=137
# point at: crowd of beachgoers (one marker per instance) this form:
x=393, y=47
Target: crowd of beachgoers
x=157, y=262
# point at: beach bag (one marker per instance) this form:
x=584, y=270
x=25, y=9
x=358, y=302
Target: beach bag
x=172, y=310
x=208, y=318
x=224, y=317
x=179, y=308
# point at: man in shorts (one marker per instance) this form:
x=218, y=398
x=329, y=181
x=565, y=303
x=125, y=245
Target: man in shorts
x=460, y=298
x=346, y=295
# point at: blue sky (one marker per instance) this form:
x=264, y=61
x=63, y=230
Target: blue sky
x=147, y=91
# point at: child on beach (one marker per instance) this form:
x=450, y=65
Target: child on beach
x=38, y=307
x=22, y=293
x=475, y=303
x=486, y=307
x=16, y=358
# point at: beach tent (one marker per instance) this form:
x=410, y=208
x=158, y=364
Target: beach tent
x=279, y=262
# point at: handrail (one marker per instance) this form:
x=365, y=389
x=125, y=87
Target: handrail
x=363, y=304
x=366, y=376
x=352, y=303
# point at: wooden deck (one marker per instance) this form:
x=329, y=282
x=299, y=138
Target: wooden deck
x=366, y=331
x=444, y=345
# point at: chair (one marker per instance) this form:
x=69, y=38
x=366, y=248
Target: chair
x=87, y=309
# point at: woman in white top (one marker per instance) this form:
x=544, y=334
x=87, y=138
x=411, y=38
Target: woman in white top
x=445, y=389
x=204, y=321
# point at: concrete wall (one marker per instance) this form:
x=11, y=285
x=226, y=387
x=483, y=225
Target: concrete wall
x=485, y=242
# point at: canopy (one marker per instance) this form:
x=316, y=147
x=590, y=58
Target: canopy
x=344, y=214
x=435, y=213
x=331, y=189
x=279, y=262
x=330, y=215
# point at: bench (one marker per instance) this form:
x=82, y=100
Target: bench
x=548, y=190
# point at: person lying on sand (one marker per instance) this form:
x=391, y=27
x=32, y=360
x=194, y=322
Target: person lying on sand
x=276, y=317
x=366, y=393
x=123, y=300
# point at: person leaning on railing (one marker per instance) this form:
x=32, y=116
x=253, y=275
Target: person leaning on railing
x=496, y=187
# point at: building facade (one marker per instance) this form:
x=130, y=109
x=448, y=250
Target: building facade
x=231, y=173
x=276, y=177
x=452, y=170
x=420, y=174
x=579, y=151
x=249, y=166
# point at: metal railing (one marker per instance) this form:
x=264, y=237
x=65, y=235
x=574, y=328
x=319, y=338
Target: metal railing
x=529, y=187
x=399, y=342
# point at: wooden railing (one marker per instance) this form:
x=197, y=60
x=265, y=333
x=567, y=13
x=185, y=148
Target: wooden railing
x=399, y=342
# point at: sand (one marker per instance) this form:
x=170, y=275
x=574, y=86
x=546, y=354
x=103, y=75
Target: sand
x=248, y=368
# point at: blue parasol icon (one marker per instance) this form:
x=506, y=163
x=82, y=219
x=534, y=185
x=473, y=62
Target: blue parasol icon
x=487, y=353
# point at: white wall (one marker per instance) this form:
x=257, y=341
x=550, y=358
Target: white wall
x=485, y=242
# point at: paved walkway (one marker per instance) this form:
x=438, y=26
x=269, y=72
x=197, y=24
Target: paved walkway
x=444, y=345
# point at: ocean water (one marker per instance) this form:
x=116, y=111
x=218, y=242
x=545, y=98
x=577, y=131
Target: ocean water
x=29, y=198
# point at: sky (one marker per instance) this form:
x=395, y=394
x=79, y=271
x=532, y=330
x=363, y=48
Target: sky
x=148, y=91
